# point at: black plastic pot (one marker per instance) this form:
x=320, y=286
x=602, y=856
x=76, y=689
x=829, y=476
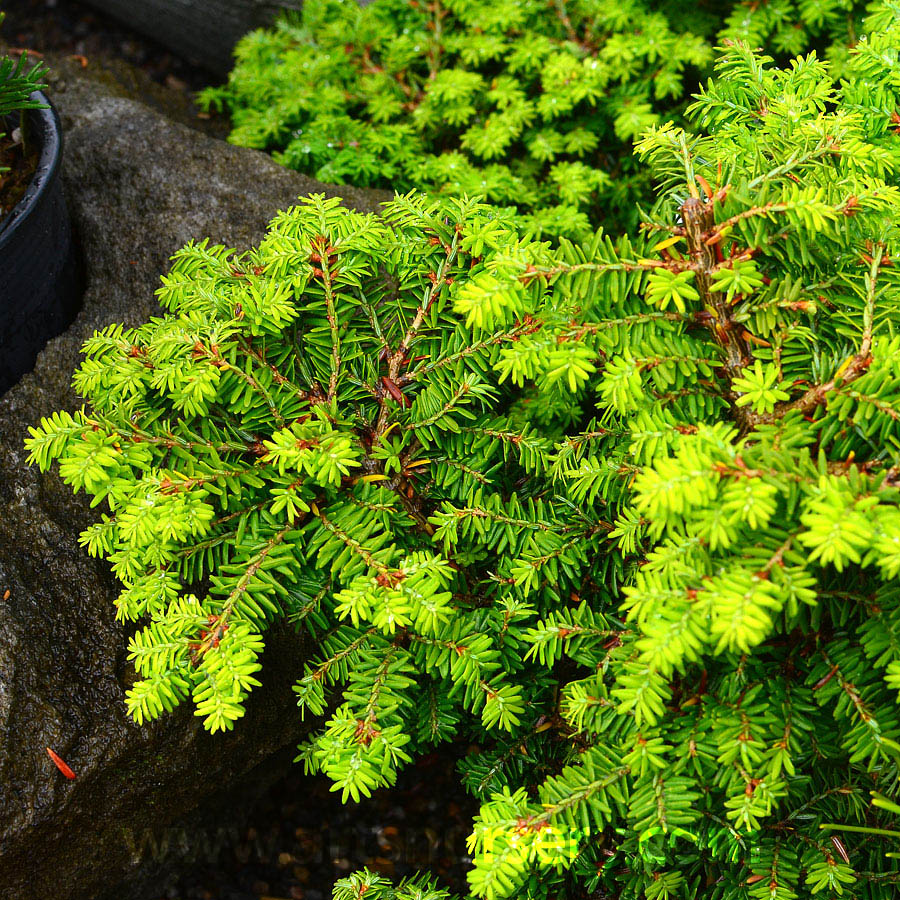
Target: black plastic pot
x=40, y=289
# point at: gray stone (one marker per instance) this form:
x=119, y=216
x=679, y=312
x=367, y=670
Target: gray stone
x=138, y=186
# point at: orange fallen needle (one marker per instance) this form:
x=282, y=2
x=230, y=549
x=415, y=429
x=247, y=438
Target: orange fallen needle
x=60, y=764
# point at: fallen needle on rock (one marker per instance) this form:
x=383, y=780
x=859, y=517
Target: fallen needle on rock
x=61, y=764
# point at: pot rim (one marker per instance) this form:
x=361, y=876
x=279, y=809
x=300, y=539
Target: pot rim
x=51, y=140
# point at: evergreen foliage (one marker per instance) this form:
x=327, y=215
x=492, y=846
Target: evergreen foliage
x=529, y=104
x=625, y=512
x=17, y=82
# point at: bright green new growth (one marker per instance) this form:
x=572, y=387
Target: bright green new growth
x=747, y=705
x=530, y=104
x=626, y=513
x=300, y=432
x=17, y=83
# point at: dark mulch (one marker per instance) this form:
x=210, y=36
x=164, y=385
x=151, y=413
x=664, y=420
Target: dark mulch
x=17, y=165
x=302, y=838
x=70, y=28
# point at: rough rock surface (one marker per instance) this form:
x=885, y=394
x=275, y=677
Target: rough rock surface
x=138, y=186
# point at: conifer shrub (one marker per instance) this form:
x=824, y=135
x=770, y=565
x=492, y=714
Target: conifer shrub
x=532, y=105
x=624, y=513
x=18, y=81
